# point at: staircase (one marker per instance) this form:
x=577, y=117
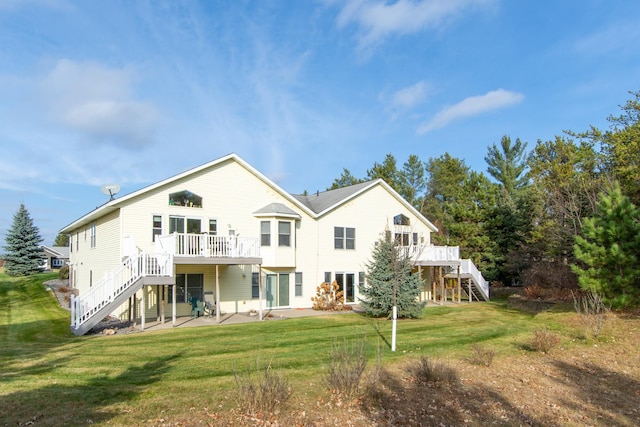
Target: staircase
x=479, y=286
x=113, y=290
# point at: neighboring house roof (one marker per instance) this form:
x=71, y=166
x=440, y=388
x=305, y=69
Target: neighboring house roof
x=315, y=206
x=61, y=252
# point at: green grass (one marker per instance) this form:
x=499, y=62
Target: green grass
x=50, y=375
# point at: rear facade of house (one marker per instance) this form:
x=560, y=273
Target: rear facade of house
x=223, y=232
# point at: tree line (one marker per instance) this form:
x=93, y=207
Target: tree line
x=562, y=214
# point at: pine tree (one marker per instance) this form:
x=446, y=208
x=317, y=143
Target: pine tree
x=610, y=250
x=23, y=252
x=390, y=268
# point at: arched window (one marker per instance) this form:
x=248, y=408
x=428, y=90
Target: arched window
x=185, y=198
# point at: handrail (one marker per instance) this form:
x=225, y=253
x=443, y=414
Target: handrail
x=468, y=267
x=197, y=245
x=435, y=253
x=116, y=282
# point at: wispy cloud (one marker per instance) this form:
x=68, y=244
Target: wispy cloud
x=98, y=103
x=472, y=106
x=378, y=20
x=411, y=96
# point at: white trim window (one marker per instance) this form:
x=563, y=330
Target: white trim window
x=344, y=238
x=156, y=227
x=284, y=233
x=265, y=233
x=92, y=234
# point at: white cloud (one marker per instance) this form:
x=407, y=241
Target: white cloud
x=472, y=106
x=378, y=20
x=97, y=102
x=411, y=96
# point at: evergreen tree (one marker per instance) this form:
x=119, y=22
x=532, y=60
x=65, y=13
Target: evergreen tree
x=346, y=179
x=413, y=181
x=507, y=164
x=23, y=252
x=61, y=240
x=610, y=250
x=387, y=171
x=389, y=270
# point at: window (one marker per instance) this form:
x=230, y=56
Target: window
x=157, y=227
x=176, y=224
x=298, y=284
x=327, y=277
x=185, y=198
x=187, y=286
x=361, y=280
x=255, y=285
x=77, y=241
x=213, y=227
x=344, y=238
x=284, y=233
x=415, y=239
x=265, y=233
x=401, y=220
x=92, y=235
x=194, y=226
x=402, y=239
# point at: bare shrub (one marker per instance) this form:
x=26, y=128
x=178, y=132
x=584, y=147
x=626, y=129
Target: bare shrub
x=551, y=274
x=481, y=356
x=347, y=364
x=261, y=390
x=63, y=289
x=63, y=273
x=329, y=298
x=432, y=372
x=543, y=340
x=533, y=292
x=593, y=311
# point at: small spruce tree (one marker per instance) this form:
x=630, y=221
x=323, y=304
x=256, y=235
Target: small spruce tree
x=23, y=254
x=610, y=250
x=390, y=268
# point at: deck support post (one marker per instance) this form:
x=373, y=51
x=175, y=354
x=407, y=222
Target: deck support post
x=142, y=307
x=217, y=293
x=259, y=291
x=443, y=294
x=163, y=297
x=173, y=308
x=459, y=284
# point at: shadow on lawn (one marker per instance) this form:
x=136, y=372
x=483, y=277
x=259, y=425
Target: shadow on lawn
x=84, y=402
x=615, y=397
x=601, y=396
x=400, y=401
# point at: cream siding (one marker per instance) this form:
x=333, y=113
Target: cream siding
x=231, y=194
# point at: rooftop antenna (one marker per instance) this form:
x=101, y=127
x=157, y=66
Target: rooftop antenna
x=110, y=190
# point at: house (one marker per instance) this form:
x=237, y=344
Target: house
x=55, y=256
x=224, y=233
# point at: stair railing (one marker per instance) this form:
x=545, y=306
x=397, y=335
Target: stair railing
x=116, y=282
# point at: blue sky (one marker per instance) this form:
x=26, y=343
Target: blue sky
x=132, y=92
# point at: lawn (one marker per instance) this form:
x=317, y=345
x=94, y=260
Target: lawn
x=186, y=376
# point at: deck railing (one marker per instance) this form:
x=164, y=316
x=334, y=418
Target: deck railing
x=434, y=253
x=116, y=282
x=206, y=245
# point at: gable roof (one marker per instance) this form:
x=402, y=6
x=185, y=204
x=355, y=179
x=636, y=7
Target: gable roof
x=276, y=209
x=315, y=206
x=57, y=251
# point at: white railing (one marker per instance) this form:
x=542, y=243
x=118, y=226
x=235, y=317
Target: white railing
x=468, y=267
x=435, y=253
x=116, y=282
x=193, y=245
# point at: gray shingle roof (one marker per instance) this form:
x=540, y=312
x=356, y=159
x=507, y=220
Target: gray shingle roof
x=276, y=209
x=321, y=201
